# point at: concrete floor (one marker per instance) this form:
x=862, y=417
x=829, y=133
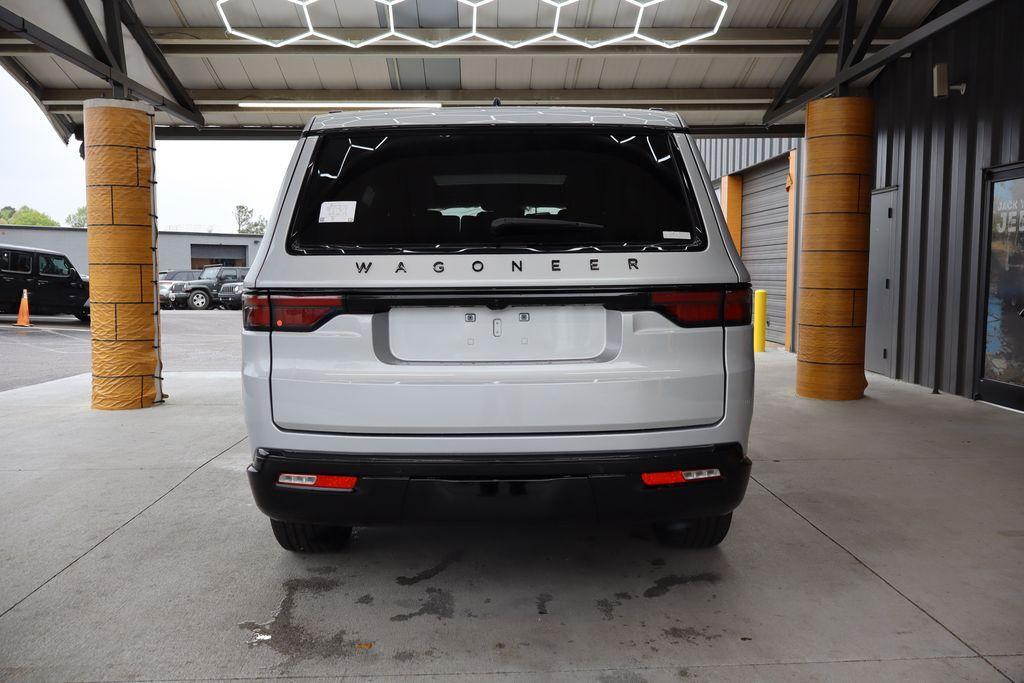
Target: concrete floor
x=880, y=540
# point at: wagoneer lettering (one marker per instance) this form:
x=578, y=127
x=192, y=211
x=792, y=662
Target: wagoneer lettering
x=453, y=321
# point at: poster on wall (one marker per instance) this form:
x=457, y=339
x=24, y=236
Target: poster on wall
x=1003, y=360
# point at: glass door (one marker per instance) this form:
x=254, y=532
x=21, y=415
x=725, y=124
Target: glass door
x=1001, y=372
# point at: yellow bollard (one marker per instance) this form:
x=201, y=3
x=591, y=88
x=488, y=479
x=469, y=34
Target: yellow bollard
x=760, y=319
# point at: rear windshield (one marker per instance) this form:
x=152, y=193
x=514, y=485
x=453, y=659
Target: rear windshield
x=496, y=190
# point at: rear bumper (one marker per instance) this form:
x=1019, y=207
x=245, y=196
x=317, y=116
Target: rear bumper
x=603, y=486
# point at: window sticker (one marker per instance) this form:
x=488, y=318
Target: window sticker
x=338, y=212
x=675, y=235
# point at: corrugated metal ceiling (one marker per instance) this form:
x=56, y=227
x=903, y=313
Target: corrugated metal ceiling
x=343, y=70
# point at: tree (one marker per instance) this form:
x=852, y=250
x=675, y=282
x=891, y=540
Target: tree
x=243, y=215
x=256, y=226
x=77, y=219
x=6, y=213
x=26, y=215
x=247, y=222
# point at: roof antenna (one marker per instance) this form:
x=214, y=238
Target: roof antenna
x=496, y=102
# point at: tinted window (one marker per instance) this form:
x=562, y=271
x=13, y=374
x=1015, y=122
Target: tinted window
x=500, y=190
x=19, y=262
x=5, y=259
x=54, y=266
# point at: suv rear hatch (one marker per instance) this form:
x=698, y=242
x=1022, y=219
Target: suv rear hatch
x=395, y=359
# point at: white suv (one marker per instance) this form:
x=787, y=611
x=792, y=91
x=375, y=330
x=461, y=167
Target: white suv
x=497, y=313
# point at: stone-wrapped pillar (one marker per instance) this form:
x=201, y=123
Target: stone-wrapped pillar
x=122, y=254
x=833, y=281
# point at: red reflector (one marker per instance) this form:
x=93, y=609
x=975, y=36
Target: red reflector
x=662, y=478
x=690, y=308
x=334, y=481
x=300, y=313
x=319, y=481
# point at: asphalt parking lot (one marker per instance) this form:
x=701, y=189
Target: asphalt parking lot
x=880, y=540
x=58, y=345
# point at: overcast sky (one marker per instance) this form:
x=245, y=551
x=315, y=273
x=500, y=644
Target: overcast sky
x=200, y=182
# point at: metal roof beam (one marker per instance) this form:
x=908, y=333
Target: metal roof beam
x=155, y=57
x=868, y=31
x=810, y=54
x=205, y=42
x=90, y=30
x=646, y=97
x=880, y=58
x=9, y=21
x=61, y=124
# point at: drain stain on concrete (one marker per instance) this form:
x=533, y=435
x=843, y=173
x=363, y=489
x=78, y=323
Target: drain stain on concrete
x=439, y=603
x=283, y=635
x=666, y=583
x=450, y=559
x=542, y=603
x=690, y=634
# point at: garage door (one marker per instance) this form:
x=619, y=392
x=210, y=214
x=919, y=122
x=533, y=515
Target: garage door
x=765, y=230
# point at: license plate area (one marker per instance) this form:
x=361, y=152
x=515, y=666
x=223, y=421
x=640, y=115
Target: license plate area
x=478, y=334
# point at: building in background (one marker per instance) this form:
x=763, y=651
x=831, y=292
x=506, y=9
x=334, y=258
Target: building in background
x=757, y=182
x=176, y=250
x=945, y=300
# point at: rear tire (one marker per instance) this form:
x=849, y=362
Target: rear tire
x=199, y=301
x=83, y=315
x=310, y=538
x=704, y=532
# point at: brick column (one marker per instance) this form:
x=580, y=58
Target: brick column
x=122, y=255
x=834, y=249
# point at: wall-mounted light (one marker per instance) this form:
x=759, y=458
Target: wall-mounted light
x=292, y=104
x=940, y=81
x=308, y=30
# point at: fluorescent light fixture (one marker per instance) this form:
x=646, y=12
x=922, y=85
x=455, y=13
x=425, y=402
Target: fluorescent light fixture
x=292, y=104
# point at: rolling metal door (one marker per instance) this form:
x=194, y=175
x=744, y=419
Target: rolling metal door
x=765, y=231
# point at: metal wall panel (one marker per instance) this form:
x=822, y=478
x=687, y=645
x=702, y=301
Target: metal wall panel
x=936, y=151
x=765, y=235
x=724, y=156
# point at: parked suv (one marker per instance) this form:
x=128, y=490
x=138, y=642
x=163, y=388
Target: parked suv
x=54, y=285
x=497, y=313
x=204, y=292
x=168, y=278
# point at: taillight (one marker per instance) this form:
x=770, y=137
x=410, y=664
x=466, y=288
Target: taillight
x=737, y=307
x=704, y=307
x=256, y=312
x=300, y=313
x=289, y=312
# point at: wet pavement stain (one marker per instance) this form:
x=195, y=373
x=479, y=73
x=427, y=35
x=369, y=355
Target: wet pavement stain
x=405, y=656
x=542, y=603
x=607, y=608
x=658, y=562
x=690, y=634
x=439, y=603
x=283, y=635
x=449, y=559
x=365, y=599
x=666, y=583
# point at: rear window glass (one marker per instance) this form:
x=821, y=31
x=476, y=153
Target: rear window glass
x=499, y=190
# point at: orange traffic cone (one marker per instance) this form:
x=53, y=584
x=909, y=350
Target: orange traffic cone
x=23, y=311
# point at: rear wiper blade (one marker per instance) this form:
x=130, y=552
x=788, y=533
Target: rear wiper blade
x=530, y=222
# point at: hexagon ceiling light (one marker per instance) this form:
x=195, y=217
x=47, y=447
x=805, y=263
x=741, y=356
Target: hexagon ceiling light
x=642, y=7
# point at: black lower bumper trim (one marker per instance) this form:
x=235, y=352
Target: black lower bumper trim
x=419, y=488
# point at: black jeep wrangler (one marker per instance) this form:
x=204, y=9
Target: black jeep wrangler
x=205, y=292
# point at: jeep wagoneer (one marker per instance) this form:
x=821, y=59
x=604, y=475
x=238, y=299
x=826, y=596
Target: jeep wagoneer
x=500, y=313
